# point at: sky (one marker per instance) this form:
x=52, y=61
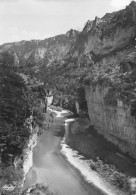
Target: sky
x=40, y=19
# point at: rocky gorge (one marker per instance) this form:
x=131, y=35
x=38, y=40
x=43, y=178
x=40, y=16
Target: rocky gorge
x=92, y=73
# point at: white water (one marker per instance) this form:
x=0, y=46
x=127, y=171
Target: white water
x=60, y=113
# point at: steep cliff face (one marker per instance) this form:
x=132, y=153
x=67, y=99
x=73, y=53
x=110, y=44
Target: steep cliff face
x=22, y=116
x=111, y=117
x=99, y=37
x=103, y=52
x=111, y=86
x=110, y=33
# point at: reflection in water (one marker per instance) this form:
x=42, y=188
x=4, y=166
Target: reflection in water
x=51, y=167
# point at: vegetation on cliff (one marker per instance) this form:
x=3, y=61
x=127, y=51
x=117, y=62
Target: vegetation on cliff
x=66, y=62
x=103, y=53
x=22, y=108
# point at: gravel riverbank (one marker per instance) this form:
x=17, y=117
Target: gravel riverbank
x=104, y=157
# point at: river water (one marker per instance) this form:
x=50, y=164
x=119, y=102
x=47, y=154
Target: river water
x=50, y=166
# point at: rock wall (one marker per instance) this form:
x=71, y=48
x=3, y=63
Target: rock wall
x=27, y=160
x=108, y=34
x=77, y=107
x=49, y=99
x=28, y=156
x=111, y=118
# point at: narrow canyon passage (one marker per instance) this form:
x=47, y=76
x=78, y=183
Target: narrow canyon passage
x=51, y=167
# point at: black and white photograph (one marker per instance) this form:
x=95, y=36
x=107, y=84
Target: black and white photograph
x=67, y=97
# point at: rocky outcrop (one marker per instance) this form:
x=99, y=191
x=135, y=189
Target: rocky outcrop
x=28, y=154
x=111, y=117
x=72, y=33
x=103, y=50
x=27, y=157
x=112, y=32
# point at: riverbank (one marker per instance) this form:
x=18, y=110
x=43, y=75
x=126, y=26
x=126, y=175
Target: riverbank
x=102, y=157
x=80, y=160
x=88, y=177
x=50, y=166
x=41, y=189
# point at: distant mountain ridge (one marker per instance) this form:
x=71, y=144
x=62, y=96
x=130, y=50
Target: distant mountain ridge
x=48, y=50
x=96, y=68
x=112, y=32
x=92, y=73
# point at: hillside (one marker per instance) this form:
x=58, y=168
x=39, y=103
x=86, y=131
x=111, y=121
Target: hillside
x=94, y=67
x=22, y=114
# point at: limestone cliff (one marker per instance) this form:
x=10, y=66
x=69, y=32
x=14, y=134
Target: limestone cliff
x=102, y=58
x=110, y=84
x=111, y=117
x=110, y=33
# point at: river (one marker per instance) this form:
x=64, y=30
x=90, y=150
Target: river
x=50, y=166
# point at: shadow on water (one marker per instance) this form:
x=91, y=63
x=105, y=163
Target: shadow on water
x=50, y=166
x=60, y=133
